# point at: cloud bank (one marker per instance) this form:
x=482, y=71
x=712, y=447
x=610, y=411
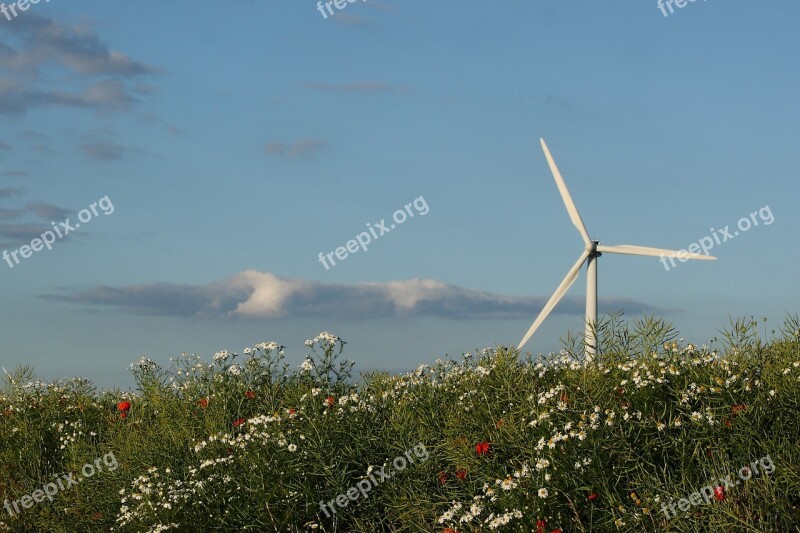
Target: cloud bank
x=264, y=296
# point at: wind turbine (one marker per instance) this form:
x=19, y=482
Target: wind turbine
x=592, y=250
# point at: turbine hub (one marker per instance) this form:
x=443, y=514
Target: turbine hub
x=591, y=247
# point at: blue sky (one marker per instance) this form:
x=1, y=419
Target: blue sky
x=238, y=140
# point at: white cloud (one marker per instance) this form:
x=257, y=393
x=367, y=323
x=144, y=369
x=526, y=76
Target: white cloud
x=261, y=295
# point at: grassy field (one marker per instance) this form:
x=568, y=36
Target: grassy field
x=654, y=435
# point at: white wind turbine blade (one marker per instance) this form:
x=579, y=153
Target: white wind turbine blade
x=656, y=252
x=562, y=188
x=570, y=278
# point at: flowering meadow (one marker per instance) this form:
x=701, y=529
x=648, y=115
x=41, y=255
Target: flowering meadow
x=243, y=442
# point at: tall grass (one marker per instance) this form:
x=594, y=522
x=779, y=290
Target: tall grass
x=513, y=443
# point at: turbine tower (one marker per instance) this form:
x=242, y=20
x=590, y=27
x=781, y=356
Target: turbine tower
x=591, y=252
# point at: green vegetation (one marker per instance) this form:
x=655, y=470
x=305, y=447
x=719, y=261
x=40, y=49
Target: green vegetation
x=511, y=443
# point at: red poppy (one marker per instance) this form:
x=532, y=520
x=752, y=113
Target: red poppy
x=442, y=478
x=727, y=422
x=736, y=409
x=564, y=397
x=203, y=402
x=449, y=530
x=719, y=493
x=592, y=497
x=329, y=401
x=123, y=406
x=540, y=525
x=291, y=411
x=238, y=422
x=461, y=473
x=123, y=414
x=482, y=448
x=249, y=395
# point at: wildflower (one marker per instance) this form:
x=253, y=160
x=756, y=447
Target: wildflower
x=442, y=478
x=461, y=473
x=249, y=395
x=306, y=366
x=324, y=338
x=238, y=422
x=719, y=493
x=592, y=497
x=123, y=406
x=540, y=525
x=449, y=530
x=203, y=402
x=292, y=447
x=736, y=409
x=483, y=448
x=508, y=483
x=543, y=493
x=145, y=364
x=329, y=401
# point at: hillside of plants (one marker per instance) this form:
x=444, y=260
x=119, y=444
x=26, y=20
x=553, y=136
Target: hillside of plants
x=654, y=434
